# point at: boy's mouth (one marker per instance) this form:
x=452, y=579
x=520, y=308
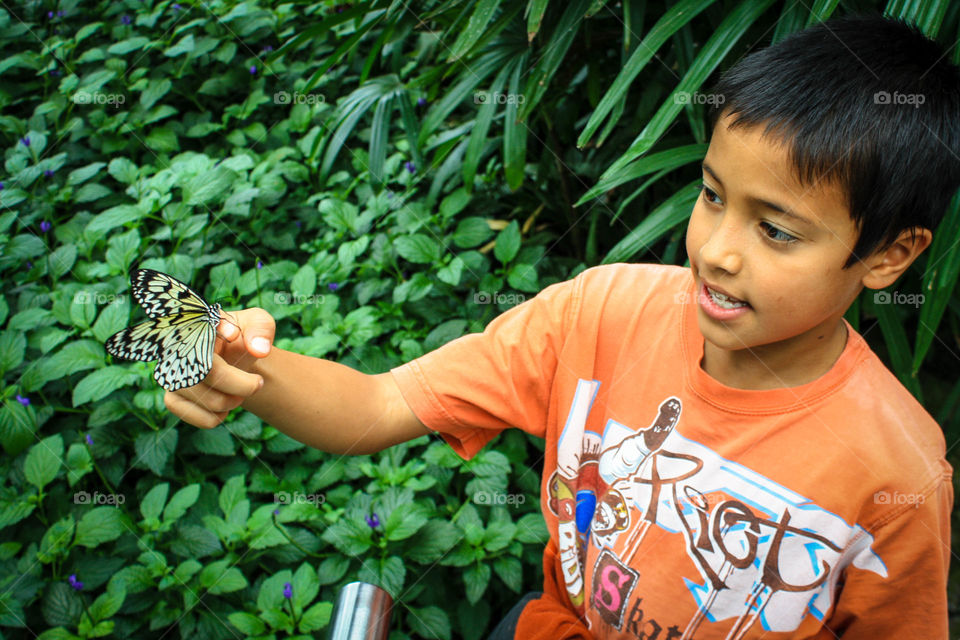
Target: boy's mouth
x=720, y=305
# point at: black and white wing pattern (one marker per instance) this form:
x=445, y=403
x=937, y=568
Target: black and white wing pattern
x=180, y=333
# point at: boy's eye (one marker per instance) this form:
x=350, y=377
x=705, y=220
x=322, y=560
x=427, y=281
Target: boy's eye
x=708, y=194
x=775, y=234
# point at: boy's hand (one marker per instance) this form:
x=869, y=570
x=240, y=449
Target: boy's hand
x=229, y=382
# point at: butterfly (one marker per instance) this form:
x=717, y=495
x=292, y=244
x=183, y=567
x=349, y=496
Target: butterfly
x=180, y=333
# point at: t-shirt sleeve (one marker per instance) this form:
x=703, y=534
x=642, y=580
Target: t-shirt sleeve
x=474, y=387
x=911, y=601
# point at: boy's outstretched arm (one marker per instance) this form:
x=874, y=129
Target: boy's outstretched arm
x=321, y=403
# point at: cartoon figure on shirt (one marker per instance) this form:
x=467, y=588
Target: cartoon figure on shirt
x=624, y=459
x=611, y=517
x=573, y=499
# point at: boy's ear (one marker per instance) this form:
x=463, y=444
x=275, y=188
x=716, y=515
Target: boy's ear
x=886, y=265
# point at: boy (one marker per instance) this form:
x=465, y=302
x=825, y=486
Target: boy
x=725, y=456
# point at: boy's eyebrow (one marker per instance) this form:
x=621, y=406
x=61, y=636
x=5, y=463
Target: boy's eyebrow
x=765, y=203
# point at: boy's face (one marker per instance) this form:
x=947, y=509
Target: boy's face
x=783, y=273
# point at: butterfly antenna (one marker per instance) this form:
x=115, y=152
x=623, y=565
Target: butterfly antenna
x=229, y=318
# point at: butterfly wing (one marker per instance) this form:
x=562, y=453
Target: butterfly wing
x=142, y=342
x=162, y=295
x=188, y=353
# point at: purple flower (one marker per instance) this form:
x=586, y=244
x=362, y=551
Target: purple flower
x=412, y=168
x=76, y=584
x=56, y=72
x=421, y=101
x=25, y=141
x=89, y=440
x=50, y=14
x=23, y=400
x=1, y=186
x=253, y=70
x=29, y=265
x=298, y=223
x=276, y=512
x=44, y=226
x=259, y=265
x=176, y=6
x=48, y=173
x=333, y=286
x=268, y=49
x=287, y=590
x=60, y=14
x=126, y=19
x=373, y=521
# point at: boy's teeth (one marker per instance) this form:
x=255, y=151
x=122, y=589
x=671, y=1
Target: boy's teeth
x=724, y=301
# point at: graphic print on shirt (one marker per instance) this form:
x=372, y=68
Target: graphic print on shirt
x=762, y=553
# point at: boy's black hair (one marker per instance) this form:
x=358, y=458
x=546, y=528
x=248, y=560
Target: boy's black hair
x=844, y=94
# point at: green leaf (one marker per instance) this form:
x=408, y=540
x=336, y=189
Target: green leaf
x=418, y=248
x=79, y=463
x=43, y=461
x=725, y=36
x=472, y=232
x=669, y=24
x=181, y=501
x=508, y=242
x=316, y=617
x=100, y=524
x=483, y=11
x=939, y=281
x=114, y=217
x=113, y=318
x=81, y=175
x=429, y=622
x=510, y=570
x=247, y=623
x=154, y=449
x=108, y=603
x=151, y=506
x=304, y=283
x=674, y=211
x=476, y=577
x=60, y=606
x=184, y=45
x=101, y=383
x=13, y=345
x=123, y=170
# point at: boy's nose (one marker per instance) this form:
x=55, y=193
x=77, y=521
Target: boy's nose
x=723, y=248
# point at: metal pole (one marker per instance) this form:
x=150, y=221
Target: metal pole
x=362, y=612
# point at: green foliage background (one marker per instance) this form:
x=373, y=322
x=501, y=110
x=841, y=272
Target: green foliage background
x=383, y=177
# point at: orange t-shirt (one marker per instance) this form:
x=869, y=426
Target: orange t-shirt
x=681, y=508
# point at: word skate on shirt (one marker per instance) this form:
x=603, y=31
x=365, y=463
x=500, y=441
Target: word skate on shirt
x=680, y=508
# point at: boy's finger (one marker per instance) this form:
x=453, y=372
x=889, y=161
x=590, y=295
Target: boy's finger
x=230, y=380
x=227, y=329
x=191, y=413
x=258, y=331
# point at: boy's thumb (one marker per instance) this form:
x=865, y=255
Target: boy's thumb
x=258, y=331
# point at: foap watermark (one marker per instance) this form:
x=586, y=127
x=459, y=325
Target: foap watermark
x=288, y=297
x=98, y=97
x=897, y=297
x=85, y=296
x=498, y=297
x=495, y=497
x=285, y=97
x=886, y=497
x=496, y=97
x=695, y=97
x=84, y=497
x=286, y=497
x=897, y=98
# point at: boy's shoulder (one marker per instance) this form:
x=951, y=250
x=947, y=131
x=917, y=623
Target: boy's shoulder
x=890, y=423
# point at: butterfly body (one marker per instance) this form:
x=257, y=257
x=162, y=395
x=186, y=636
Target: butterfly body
x=180, y=332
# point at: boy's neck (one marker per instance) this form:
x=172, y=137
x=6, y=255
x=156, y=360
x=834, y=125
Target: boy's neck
x=785, y=364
